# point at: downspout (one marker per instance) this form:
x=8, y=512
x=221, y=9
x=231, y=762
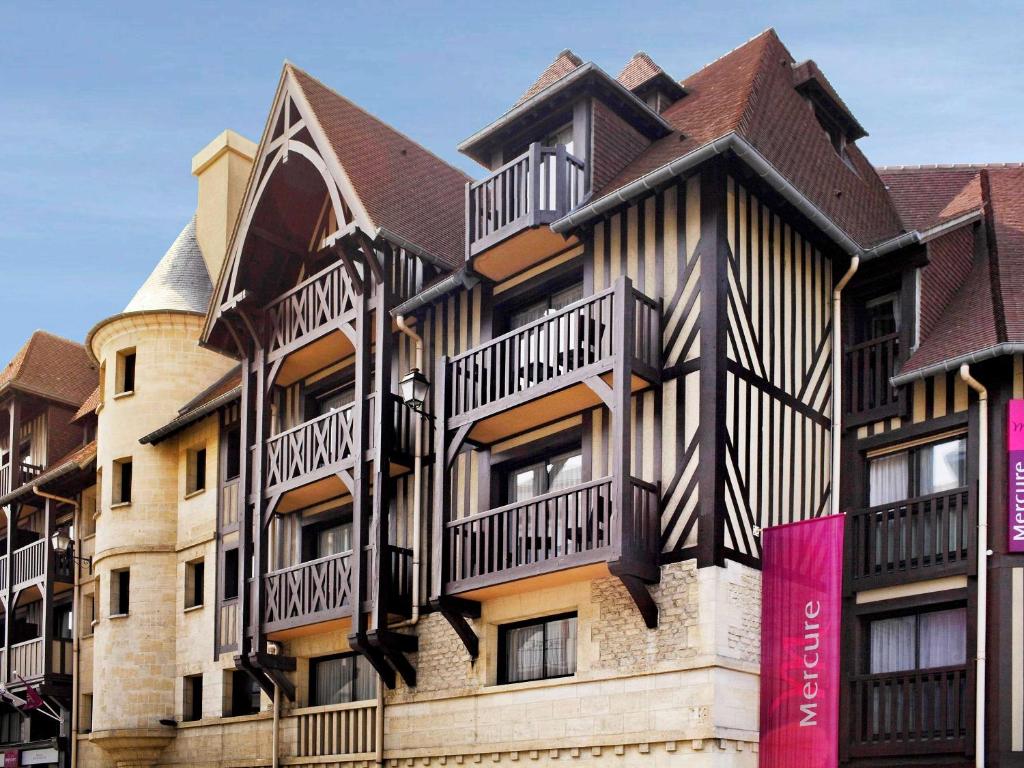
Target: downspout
x=76, y=596
x=837, y=378
x=274, y=758
x=982, y=565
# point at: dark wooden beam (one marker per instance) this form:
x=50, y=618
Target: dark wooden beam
x=451, y=609
x=279, y=242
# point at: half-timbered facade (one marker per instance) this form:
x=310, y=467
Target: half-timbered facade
x=48, y=452
x=415, y=468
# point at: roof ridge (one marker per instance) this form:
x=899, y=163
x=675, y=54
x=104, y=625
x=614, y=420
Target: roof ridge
x=744, y=44
x=292, y=66
x=57, y=336
x=949, y=167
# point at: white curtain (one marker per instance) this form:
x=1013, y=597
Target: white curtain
x=560, y=642
x=524, y=653
x=888, y=480
x=343, y=680
x=892, y=644
x=943, y=638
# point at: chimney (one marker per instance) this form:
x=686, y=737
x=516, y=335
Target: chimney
x=222, y=168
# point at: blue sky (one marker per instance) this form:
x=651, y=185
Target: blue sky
x=103, y=105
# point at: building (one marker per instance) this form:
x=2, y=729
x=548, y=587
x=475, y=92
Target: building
x=47, y=462
x=397, y=466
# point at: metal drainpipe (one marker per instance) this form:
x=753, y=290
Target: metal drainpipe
x=274, y=759
x=982, y=565
x=75, y=595
x=837, y=378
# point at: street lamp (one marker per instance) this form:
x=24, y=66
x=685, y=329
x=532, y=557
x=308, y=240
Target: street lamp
x=414, y=387
x=65, y=548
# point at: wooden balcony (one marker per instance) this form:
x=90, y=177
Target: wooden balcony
x=320, y=591
x=29, y=564
x=867, y=368
x=576, y=529
x=302, y=462
x=909, y=713
x=26, y=472
x=348, y=730
x=507, y=213
x=921, y=538
x=302, y=324
x=537, y=373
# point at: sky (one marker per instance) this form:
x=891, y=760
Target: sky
x=103, y=105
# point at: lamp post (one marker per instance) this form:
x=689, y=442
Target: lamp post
x=64, y=546
x=414, y=387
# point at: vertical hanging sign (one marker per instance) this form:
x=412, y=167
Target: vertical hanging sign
x=802, y=566
x=1015, y=474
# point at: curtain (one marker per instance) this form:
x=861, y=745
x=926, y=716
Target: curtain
x=943, y=638
x=892, y=644
x=524, y=653
x=344, y=679
x=560, y=647
x=888, y=480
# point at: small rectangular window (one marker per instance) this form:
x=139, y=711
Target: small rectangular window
x=195, y=573
x=232, y=462
x=122, y=491
x=88, y=613
x=85, y=722
x=537, y=650
x=245, y=694
x=125, y=372
x=921, y=471
x=192, y=705
x=341, y=679
x=120, y=592
x=62, y=622
x=231, y=574
x=196, y=469
x=918, y=641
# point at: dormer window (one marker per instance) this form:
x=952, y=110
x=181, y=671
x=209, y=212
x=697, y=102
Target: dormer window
x=562, y=136
x=881, y=316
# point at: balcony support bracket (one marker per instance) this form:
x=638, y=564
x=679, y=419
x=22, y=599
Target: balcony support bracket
x=642, y=598
x=360, y=643
x=601, y=389
x=458, y=439
x=456, y=611
x=395, y=646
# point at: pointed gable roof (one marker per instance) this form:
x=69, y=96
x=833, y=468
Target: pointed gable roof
x=564, y=63
x=52, y=367
x=180, y=281
x=750, y=92
x=402, y=186
x=638, y=71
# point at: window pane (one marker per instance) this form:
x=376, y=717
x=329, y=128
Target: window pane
x=524, y=653
x=335, y=679
x=528, y=314
x=887, y=480
x=525, y=483
x=892, y=644
x=566, y=296
x=943, y=466
x=943, y=638
x=334, y=541
x=565, y=471
x=366, y=680
x=560, y=642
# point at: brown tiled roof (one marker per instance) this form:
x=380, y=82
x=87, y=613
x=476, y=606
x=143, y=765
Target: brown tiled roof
x=986, y=310
x=92, y=402
x=638, y=71
x=564, y=63
x=750, y=91
x=52, y=367
x=76, y=460
x=808, y=74
x=402, y=186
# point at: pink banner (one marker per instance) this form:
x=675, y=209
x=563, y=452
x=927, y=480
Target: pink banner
x=802, y=567
x=1015, y=474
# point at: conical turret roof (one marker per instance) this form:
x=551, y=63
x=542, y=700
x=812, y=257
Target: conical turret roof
x=180, y=282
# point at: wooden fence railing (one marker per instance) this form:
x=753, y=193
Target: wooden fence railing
x=336, y=729
x=317, y=590
x=323, y=442
x=868, y=366
x=308, y=310
x=29, y=562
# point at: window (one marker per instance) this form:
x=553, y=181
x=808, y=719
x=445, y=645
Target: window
x=232, y=462
x=10, y=727
x=192, y=693
x=537, y=650
x=918, y=641
x=332, y=399
x=881, y=317
x=120, y=592
x=195, y=573
x=88, y=613
x=933, y=468
x=548, y=305
x=245, y=694
x=196, y=470
x=554, y=473
x=85, y=722
x=122, y=481
x=125, y=372
x=231, y=574
x=330, y=537
x=63, y=627
x=340, y=680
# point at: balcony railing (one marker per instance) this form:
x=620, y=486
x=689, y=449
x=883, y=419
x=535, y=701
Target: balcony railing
x=309, y=310
x=554, y=351
x=926, y=537
x=909, y=713
x=868, y=367
x=336, y=729
x=25, y=473
x=318, y=590
x=551, y=532
x=29, y=563
x=27, y=658
x=538, y=187
x=313, y=448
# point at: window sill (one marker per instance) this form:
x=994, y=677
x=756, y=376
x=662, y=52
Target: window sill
x=118, y=616
x=527, y=685
x=127, y=393
x=192, y=608
x=120, y=505
x=193, y=494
